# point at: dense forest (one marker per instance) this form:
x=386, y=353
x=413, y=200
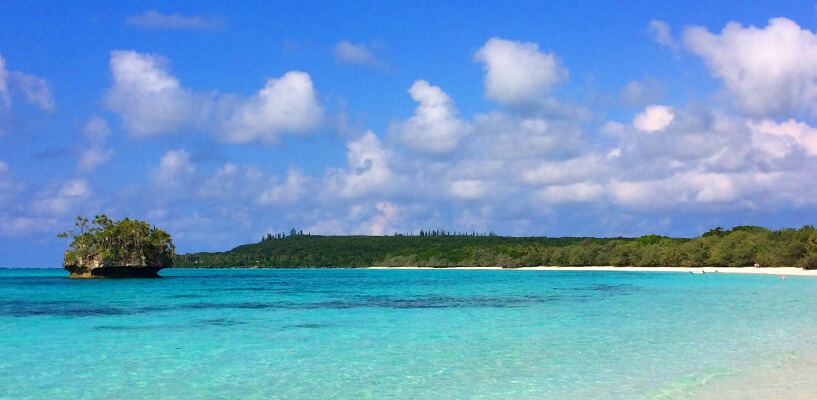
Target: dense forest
x=740, y=246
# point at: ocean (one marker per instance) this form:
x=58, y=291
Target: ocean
x=407, y=334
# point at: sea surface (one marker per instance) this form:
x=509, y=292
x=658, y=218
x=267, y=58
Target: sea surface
x=407, y=334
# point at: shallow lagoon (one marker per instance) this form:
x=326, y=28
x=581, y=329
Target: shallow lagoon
x=407, y=334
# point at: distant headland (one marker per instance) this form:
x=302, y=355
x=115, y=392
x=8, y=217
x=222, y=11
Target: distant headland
x=128, y=248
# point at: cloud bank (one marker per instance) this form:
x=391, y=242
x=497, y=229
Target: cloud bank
x=152, y=102
x=768, y=71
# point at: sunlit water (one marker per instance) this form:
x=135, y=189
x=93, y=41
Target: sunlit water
x=408, y=334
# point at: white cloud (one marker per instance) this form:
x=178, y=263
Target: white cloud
x=660, y=33
x=151, y=102
x=96, y=129
x=579, y=192
x=434, y=128
x=4, y=88
x=173, y=170
x=566, y=172
x=62, y=198
x=517, y=73
x=155, y=20
x=467, y=189
x=35, y=89
x=222, y=184
x=287, y=104
x=509, y=136
x=695, y=138
x=51, y=201
x=654, y=118
x=386, y=213
x=769, y=71
x=9, y=187
x=693, y=189
x=367, y=172
x=714, y=187
x=643, y=193
x=357, y=54
x=499, y=169
x=799, y=132
x=285, y=193
x=93, y=157
x=15, y=226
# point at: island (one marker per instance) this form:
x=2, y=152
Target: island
x=128, y=248
x=741, y=246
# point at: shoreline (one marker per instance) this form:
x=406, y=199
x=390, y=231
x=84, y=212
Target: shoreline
x=695, y=270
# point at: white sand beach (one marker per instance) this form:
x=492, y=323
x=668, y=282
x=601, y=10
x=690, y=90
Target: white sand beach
x=782, y=271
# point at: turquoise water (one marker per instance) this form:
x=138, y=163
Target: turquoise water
x=406, y=334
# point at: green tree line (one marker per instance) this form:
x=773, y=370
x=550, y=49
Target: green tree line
x=740, y=246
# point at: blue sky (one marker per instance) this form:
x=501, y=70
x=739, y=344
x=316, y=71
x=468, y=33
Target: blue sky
x=221, y=122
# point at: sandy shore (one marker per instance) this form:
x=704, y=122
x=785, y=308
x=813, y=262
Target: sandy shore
x=707, y=270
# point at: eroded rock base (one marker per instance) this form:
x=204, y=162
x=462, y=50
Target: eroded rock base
x=112, y=272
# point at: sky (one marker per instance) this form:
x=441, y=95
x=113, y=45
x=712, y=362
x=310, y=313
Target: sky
x=220, y=122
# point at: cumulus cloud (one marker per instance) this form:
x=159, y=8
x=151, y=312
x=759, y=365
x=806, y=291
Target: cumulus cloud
x=654, y=118
x=92, y=158
x=386, y=213
x=509, y=136
x=517, y=73
x=62, y=198
x=467, y=189
x=769, y=71
x=287, y=104
x=798, y=133
x=367, y=172
x=285, y=193
x=357, y=54
x=565, y=172
x=173, y=170
x=705, y=159
x=695, y=138
x=661, y=33
x=694, y=189
x=579, y=192
x=95, y=131
x=36, y=90
x=149, y=99
x=434, y=128
x=222, y=184
x=155, y=20
x=151, y=102
x=500, y=170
